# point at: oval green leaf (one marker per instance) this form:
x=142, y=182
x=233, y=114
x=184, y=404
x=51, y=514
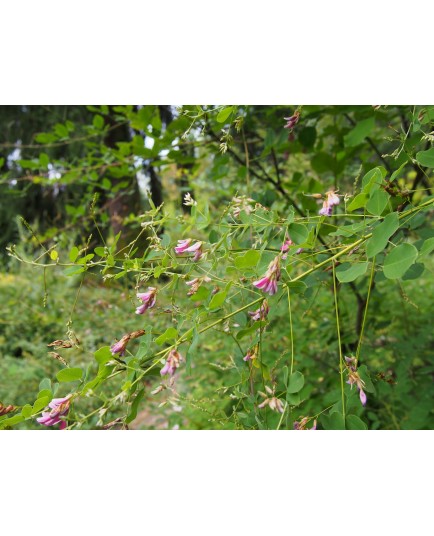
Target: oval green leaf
x=295, y=383
x=426, y=158
x=352, y=273
x=69, y=375
x=381, y=235
x=224, y=114
x=399, y=260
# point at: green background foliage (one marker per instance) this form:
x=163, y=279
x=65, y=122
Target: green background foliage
x=92, y=204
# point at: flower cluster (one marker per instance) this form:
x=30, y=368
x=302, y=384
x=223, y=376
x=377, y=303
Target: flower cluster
x=187, y=246
x=195, y=283
x=120, y=346
x=173, y=361
x=302, y=424
x=271, y=400
x=285, y=247
x=148, y=300
x=355, y=379
x=59, y=408
x=252, y=353
x=261, y=313
x=268, y=282
x=242, y=204
x=292, y=121
x=330, y=200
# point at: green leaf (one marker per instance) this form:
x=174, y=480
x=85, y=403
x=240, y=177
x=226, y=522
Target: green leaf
x=335, y=421
x=248, y=260
x=44, y=160
x=298, y=287
x=298, y=233
x=399, y=260
x=358, y=202
x=427, y=247
x=169, y=334
x=135, y=406
x=373, y=180
x=364, y=374
x=307, y=137
x=378, y=202
x=397, y=172
x=45, y=384
x=98, y=122
x=69, y=374
x=426, y=158
x=293, y=399
x=224, y=114
x=359, y=132
x=296, y=382
x=46, y=392
x=251, y=329
x=11, y=421
x=103, y=355
x=355, y=423
x=414, y=271
x=27, y=411
x=41, y=403
x=352, y=273
x=381, y=235
x=101, y=252
x=217, y=300
x=61, y=130
x=45, y=137
x=73, y=254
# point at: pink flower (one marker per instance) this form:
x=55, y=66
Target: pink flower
x=184, y=246
x=268, y=282
x=292, y=121
x=148, y=300
x=251, y=354
x=285, y=247
x=195, y=284
x=261, y=313
x=59, y=408
x=330, y=200
x=271, y=400
x=173, y=361
x=302, y=425
x=120, y=346
x=355, y=379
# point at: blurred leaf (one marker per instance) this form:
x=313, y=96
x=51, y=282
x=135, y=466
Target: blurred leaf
x=296, y=382
x=399, y=260
x=351, y=273
x=426, y=158
x=381, y=234
x=223, y=115
x=378, y=202
x=217, y=300
x=359, y=132
x=169, y=334
x=355, y=423
x=69, y=374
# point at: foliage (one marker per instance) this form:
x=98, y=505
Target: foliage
x=329, y=214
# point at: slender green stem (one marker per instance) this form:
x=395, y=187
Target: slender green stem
x=341, y=361
x=365, y=314
x=291, y=330
x=283, y=414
